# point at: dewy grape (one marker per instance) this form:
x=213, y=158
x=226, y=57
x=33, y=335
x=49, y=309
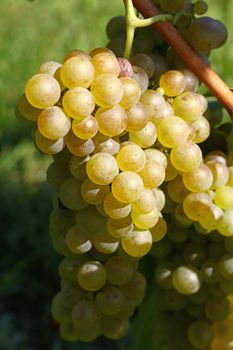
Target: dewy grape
x=133, y=176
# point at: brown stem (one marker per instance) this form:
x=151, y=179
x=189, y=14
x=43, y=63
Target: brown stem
x=188, y=55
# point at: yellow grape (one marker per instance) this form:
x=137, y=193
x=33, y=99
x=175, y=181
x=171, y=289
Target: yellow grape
x=127, y=186
x=172, y=82
x=201, y=129
x=152, y=101
x=146, y=137
x=105, y=243
x=172, y=132
x=145, y=203
x=93, y=193
x=224, y=197
x=141, y=77
x=78, y=103
x=111, y=121
x=105, y=62
x=120, y=228
x=159, y=231
x=220, y=173
x=147, y=220
x=153, y=173
x=77, y=71
x=27, y=110
x=74, y=53
x=86, y=128
x=158, y=156
x=48, y=146
x=79, y=147
x=187, y=157
x=198, y=180
x=49, y=67
x=53, y=123
x=137, y=117
x=42, y=91
x=131, y=94
x=138, y=244
x=106, y=144
x=116, y=209
x=102, y=168
x=92, y=276
x=107, y=90
x=76, y=241
x=131, y=158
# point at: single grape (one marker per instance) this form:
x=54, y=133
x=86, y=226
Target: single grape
x=27, y=110
x=77, y=167
x=138, y=243
x=186, y=280
x=137, y=118
x=105, y=63
x=201, y=130
x=127, y=186
x=107, y=90
x=102, y=168
x=48, y=146
x=120, y=228
x=116, y=209
x=93, y=193
x=145, y=62
x=77, y=71
x=114, y=328
x=53, y=123
x=70, y=194
x=105, y=243
x=198, y=180
x=111, y=121
x=145, y=203
x=86, y=128
x=159, y=230
x=200, y=334
x=78, y=103
x=188, y=107
x=109, y=300
x=126, y=69
x=131, y=92
x=217, y=309
x=163, y=274
x=191, y=80
x=106, y=144
x=119, y=270
x=92, y=276
x=146, y=137
x=76, y=241
x=141, y=77
x=224, y=197
x=135, y=288
x=173, y=132
x=172, y=82
x=186, y=157
x=131, y=158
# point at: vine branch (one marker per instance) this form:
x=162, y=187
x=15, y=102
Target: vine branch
x=171, y=35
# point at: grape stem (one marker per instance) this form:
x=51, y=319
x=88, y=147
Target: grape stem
x=191, y=58
x=133, y=22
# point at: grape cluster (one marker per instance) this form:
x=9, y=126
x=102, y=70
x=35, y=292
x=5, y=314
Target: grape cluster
x=131, y=176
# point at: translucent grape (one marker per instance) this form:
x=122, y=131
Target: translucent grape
x=172, y=132
x=141, y=77
x=59, y=311
x=107, y=90
x=77, y=71
x=172, y=82
x=53, y=123
x=42, y=91
x=186, y=157
x=220, y=173
x=48, y=146
x=159, y=230
x=147, y=220
x=119, y=270
x=98, y=50
x=201, y=129
x=152, y=101
x=158, y=156
x=76, y=241
x=70, y=194
x=224, y=197
x=102, y=168
x=191, y=80
x=106, y=144
x=186, y=280
x=138, y=243
x=120, y=228
x=132, y=92
x=199, y=180
x=196, y=205
x=176, y=189
x=86, y=128
x=79, y=53
x=171, y=172
x=131, y=158
x=194, y=254
x=92, y=276
x=180, y=218
x=111, y=121
x=77, y=167
x=116, y=209
x=146, y=137
x=49, y=67
x=68, y=267
x=78, y=103
x=105, y=243
x=163, y=274
x=114, y=328
x=188, y=107
x=27, y=110
x=127, y=186
x=226, y=266
x=93, y=193
x=105, y=62
x=110, y=300
x=137, y=117
x=145, y=203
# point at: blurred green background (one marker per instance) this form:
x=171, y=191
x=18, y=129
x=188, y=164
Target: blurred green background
x=32, y=33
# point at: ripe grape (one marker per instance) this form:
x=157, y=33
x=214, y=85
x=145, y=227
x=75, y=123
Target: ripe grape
x=127, y=186
x=102, y=168
x=78, y=103
x=86, y=128
x=186, y=280
x=131, y=158
x=107, y=90
x=53, y=123
x=138, y=243
x=92, y=276
x=111, y=121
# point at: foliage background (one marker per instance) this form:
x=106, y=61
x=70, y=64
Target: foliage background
x=32, y=33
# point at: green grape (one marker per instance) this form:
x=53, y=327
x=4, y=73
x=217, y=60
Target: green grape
x=137, y=117
x=77, y=167
x=145, y=221
x=226, y=225
x=72, y=293
x=146, y=137
x=105, y=243
x=78, y=103
x=226, y=266
x=105, y=63
x=138, y=243
x=91, y=222
x=145, y=203
x=27, y=110
x=56, y=174
x=89, y=335
x=201, y=130
x=68, y=332
x=68, y=267
x=159, y=231
x=173, y=132
x=135, y=288
x=206, y=33
x=162, y=248
x=141, y=77
x=224, y=197
x=127, y=186
x=191, y=80
x=106, y=144
x=194, y=254
x=114, y=328
x=70, y=194
x=116, y=26
x=177, y=234
x=198, y=180
x=186, y=157
x=200, y=334
x=111, y=121
x=217, y=309
x=172, y=6
x=152, y=101
x=120, y=228
x=143, y=42
x=172, y=82
x=116, y=209
x=152, y=174
x=93, y=193
x=61, y=220
x=163, y=274
x=42, y=91
x=86, y=128
x=102, y=168
x=92, y=276
x=209, y=271
x=176, y=189
x=127, y=310
x=60, y=312
x=109, y=300
x=186, y=280
x=188, y=107
x=76, y=241
x=126, y=69
x=53, y=123
x=131, y=158
x=145, y=62
x=225, y=286
x=131, y=94
x=48, y=146
x=107, y=90
x=119, y=270
x=86, y=315
x=77, y=71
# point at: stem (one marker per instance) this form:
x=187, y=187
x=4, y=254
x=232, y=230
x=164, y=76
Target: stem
x=133, y=22
x=188, y=55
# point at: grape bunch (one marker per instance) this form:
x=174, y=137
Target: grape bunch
x=133, y=180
